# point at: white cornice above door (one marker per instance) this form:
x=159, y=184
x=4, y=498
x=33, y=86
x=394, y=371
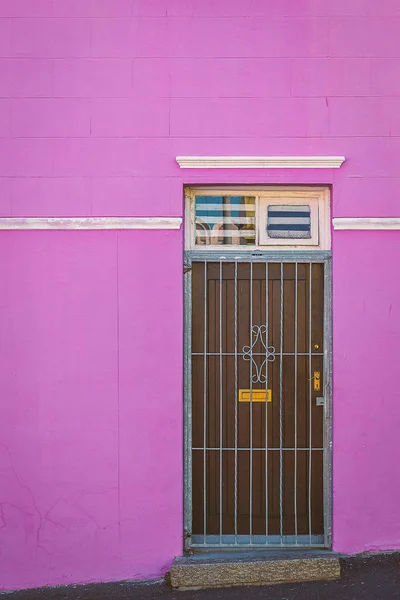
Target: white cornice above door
x=260, y=162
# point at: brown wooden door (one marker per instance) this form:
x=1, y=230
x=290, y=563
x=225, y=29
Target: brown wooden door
x=257, y=467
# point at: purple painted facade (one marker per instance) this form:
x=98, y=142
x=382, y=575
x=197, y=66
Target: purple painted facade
x=97, y=98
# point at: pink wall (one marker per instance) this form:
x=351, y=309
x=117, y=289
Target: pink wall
x=91, y=443
x=97, y=97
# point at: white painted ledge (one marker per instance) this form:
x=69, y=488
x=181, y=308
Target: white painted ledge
x=365, y=223
x=260, y=162
x=87, y=223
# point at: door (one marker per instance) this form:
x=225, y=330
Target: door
x=258, y=415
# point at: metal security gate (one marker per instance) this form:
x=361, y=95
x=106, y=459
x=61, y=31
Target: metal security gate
x=257, y=400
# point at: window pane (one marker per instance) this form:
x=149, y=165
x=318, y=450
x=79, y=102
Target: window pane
x=225, y=220
x=288, y=221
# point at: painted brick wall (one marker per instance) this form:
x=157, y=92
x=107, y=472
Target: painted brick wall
x=97, y=97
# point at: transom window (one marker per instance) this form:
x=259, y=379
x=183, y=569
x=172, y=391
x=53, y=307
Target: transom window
x=225, y=220
x=249, y=217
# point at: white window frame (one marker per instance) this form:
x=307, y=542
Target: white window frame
x=318, y=198
x=265, y=240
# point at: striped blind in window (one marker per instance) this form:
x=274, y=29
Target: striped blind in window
x=289, y=221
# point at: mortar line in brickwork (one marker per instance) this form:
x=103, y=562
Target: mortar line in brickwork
x=215, y=97
x=118, y=396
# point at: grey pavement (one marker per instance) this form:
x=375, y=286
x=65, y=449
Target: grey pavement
x=363, y=578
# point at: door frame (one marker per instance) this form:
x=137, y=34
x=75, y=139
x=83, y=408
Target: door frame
x=256, y=255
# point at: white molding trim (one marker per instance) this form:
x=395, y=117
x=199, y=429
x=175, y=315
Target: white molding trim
x=260, y=162
x=87, y=223
x=366, y=223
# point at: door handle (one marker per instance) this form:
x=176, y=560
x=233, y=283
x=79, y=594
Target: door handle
x=317, y=381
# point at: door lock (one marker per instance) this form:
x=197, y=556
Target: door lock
x=317, y=381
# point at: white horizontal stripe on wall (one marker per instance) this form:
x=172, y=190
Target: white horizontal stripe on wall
x=366, y=223
x=260, y=162
x=87, y=223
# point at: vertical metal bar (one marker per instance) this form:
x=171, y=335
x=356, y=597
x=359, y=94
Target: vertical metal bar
x=205, y=407
x=220, y=402
x=266, y=404
x=236, y=403
x=251, y=407
x=295, y=401
x=188, y=405
x=280, y=415
x=328, y=403
x=310, y=377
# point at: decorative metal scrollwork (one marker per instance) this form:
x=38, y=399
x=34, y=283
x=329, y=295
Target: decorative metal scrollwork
x=259, y=332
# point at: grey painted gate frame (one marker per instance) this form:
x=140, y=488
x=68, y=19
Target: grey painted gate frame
x=288, y=256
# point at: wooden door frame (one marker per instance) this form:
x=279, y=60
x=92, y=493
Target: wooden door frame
x=256, y=255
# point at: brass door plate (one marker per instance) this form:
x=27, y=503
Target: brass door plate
x=255, y=395
x=317, y=381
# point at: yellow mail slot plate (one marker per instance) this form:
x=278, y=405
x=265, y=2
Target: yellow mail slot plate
x=256, y=395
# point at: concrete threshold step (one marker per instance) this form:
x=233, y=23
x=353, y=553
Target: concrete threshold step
x=226, y=569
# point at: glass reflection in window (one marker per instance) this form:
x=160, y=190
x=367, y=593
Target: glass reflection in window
x=228, y=220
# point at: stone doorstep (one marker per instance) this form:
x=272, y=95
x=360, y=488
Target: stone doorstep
x=243, y=569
